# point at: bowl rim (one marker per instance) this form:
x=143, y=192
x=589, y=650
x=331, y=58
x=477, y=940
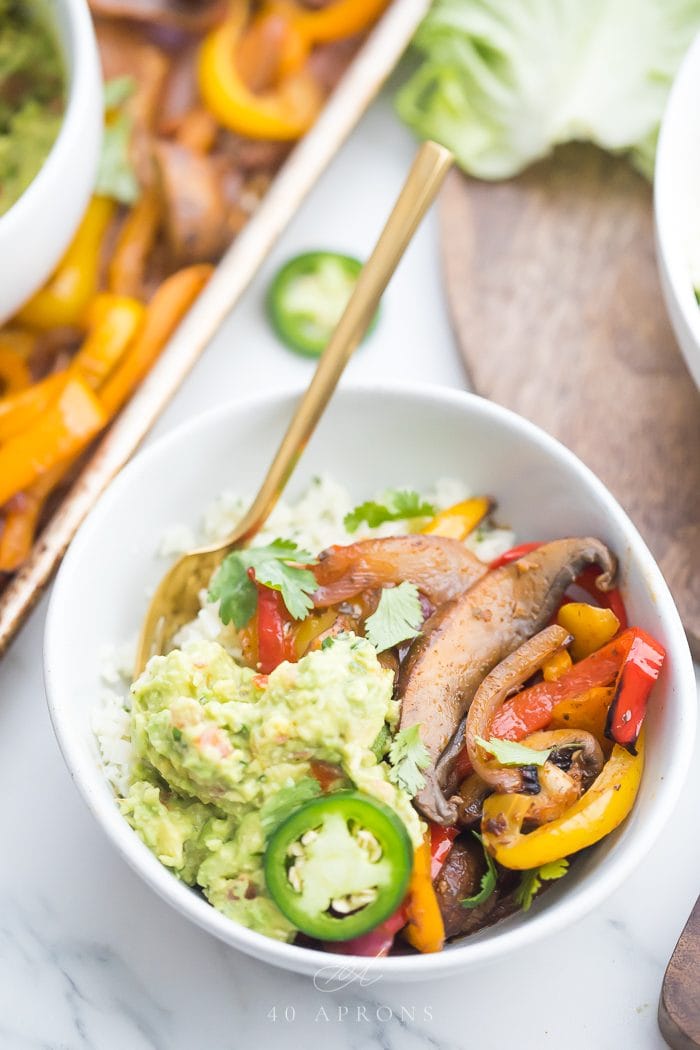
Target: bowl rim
x=76, y=43
x=461, y=955
x=671, y=258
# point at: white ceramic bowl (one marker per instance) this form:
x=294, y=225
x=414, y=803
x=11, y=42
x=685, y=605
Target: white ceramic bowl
x=677, y=206
x=37, y=229
x=370, y=438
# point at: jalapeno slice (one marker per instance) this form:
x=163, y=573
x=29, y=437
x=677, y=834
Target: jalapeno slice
x=307, y=297
x=339, y=865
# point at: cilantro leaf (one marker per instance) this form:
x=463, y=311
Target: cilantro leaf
x=117, y=90
x=392, y=505
x=397, y=618
x=283, y=803
x=508, y=753
x=234, y=590
x=274, y=566
x=116, y=177
x=488, y=880
x=532, y=880
x=408, y=755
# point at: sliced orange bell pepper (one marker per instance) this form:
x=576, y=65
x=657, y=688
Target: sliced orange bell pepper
x=17, y=531
x=335, y=21
x=22, y=515
x=64, y=429
x=64, y=297
x=458, y=521
x=591, y=626
x=589, y=712
x=14, y=371
x=425, y=929
x=163, y=314
x=113, y=322
x=197, y=130
x=134, y=244
x=283, y=113
x=19, y=411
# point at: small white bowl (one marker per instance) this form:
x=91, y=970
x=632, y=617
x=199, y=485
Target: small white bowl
x=370, y=438
x=677, y=206
x=38, y=227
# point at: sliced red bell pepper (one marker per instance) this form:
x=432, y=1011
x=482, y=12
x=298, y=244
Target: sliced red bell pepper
x=378, y=941
x=639, y=671
x=631, y=661
x=441, y=839
x=463, y=766
x=274, y=644
x=513, y=554
x=531, y=710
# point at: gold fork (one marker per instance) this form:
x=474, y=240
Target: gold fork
x=176, y=600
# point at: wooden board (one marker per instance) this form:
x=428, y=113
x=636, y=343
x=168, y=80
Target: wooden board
x=556, y=304
x=679, y=1006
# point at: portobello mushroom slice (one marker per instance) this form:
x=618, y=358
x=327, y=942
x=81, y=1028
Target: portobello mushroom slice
x=440, y=568
x=460, y=877
x=465, y=639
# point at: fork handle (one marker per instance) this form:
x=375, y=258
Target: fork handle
x=431, y=164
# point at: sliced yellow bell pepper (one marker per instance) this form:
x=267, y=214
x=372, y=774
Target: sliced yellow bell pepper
x=64, y=297
x=19, y=340
x=596, y=813
x=337, y=20
x=425, y=929
x=556, y=665
x=64, y=429
x=14, y=371
x=310, y=629
x=458, y=521
x=283, y=113
x=19, y=411
x=113, y=322
x=590, y=626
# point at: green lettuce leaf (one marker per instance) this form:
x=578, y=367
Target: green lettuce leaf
x=502, y=82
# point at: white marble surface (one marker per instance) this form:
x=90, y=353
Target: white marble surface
x=90, y=958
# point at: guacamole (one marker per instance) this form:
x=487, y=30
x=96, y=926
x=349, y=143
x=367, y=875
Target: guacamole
x=221, y=750
x=32, y=96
